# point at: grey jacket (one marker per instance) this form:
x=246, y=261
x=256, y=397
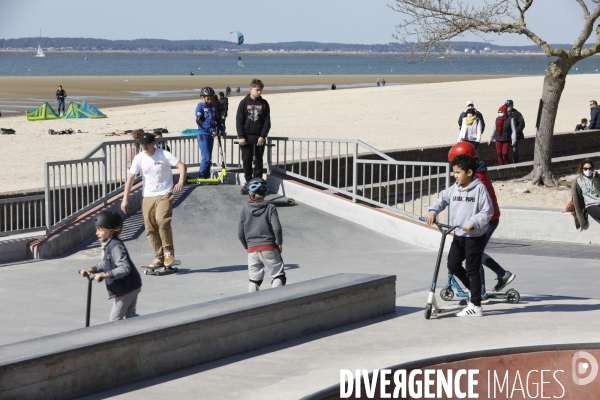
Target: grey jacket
x=259, y=225
x=581, y=215
x=124, y=277
x=471, y=205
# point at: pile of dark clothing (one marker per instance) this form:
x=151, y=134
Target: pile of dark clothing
x=161, y=130
x=65, y=132
x=8, y=131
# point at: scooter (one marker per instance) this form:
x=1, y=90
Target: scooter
x=431, y=308
x=447, y=293
x=89, y=297
x=222, y=178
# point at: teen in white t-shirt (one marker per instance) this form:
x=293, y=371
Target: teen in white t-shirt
x=157, y=178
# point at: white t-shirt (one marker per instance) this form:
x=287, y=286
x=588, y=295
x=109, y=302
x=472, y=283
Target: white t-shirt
x=157, y=178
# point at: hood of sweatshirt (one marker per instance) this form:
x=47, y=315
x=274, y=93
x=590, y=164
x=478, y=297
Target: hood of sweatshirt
x=257, y=208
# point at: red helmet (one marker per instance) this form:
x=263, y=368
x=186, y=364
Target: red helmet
x=462, y=148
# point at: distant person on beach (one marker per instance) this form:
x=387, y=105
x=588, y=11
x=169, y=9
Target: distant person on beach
x=191, y=72
x=237, y=91
x=253, y=122
x=583, y=125
x=157, y=190
x=504, y=132
x=471, y=130
x=595, y=115
x=227, y=91
x=378, y=83
x=61, y=95
x=383, y=82
x=471, y=106
x=161, y=145
x=519, y=125
x=333, y=87
x=224, y=107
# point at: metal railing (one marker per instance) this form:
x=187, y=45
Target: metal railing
x=75, y=186
x=21, y=214
x=361, y=172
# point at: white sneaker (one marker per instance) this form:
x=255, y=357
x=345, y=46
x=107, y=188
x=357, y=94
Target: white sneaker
x=471, y=310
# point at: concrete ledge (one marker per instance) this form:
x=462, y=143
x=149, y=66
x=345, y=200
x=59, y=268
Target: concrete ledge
x=99, y=358
x=398, y=227
x=16, y=249
x=544, y=224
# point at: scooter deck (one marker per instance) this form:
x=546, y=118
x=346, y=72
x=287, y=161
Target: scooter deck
x=150, y=270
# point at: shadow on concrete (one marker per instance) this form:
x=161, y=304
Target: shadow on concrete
x=228, y=268
x=532, y=307
x=400, y=312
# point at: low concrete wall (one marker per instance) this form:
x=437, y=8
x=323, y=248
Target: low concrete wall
x=15, y=249
x=544, y=224
x=90, y=360
x=387, y=223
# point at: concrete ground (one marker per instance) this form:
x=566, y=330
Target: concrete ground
x=560, y=302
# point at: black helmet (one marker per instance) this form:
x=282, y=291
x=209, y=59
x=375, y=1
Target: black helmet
x=109, y=220
x=258, y=186
x=207, y=91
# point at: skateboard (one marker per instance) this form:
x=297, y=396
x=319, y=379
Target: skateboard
x=282, y=203
x=164, y=270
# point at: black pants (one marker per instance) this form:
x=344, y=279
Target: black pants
x=250, y=151
x=486, y=259
x=594, y=212
x=470, y=250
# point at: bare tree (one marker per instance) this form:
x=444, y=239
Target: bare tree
x=434, y=22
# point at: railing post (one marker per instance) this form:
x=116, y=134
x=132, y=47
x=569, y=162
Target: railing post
x=104, y=176
x=47, y=199
x=269, y=155
x=354, y=171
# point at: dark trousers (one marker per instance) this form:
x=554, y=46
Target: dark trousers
x=252, y=151
x=487, y=260
x=594, y=212
x=515, y=153
x=470, y=250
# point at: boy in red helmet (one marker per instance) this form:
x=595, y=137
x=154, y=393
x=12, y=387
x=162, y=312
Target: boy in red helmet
x=504, y=277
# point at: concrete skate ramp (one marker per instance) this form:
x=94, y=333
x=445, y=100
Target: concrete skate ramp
x=569, y=372
x=86, y=361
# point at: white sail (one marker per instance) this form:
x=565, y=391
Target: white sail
x=40, y=52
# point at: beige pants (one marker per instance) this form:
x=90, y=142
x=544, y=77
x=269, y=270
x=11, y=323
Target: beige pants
x=158, y=212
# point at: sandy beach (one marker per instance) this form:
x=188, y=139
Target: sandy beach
x=391, y=117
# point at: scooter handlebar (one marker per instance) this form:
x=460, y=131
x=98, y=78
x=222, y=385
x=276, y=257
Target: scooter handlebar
x=89, y=276
x=442, y=225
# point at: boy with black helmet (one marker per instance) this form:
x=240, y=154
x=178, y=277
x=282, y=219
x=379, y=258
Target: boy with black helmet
x=208, y=119
x=123, y=281
x=260, y=232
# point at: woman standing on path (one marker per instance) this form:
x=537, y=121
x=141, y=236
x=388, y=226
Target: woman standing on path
x=504, y=133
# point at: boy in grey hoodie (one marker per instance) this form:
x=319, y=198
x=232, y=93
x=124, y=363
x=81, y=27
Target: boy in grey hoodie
x=471, y=207
x=261, y=235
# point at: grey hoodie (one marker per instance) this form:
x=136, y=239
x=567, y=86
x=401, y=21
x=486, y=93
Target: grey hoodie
x=259, y=225
x=471, y=205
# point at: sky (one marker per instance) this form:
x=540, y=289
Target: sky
x=261, y=21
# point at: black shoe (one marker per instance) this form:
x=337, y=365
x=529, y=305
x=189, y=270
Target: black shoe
x=244, y=190
x=504, y=281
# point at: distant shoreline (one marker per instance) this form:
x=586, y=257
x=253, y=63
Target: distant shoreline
x=263, y=53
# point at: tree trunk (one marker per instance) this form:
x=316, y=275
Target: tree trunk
x=554, y=84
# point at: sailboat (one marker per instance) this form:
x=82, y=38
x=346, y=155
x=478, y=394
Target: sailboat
x=40, y=52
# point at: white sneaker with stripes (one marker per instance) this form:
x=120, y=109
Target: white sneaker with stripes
x=471, y=310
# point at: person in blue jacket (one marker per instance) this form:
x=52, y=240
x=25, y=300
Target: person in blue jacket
x=209, y=124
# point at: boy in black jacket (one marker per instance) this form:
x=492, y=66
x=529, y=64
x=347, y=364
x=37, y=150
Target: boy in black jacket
x=123, y=281
x=253, y=122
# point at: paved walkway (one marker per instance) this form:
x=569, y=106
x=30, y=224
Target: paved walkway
x=560, y=301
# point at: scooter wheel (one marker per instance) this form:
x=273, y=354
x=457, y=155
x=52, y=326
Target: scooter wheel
x=175, y=269
x=145, y=272
x=447, y=293
x=225, y=179
x=512, y=296
x=428, y=309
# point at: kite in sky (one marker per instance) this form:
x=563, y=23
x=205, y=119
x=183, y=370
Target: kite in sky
x=240, y=37
x=240, y=62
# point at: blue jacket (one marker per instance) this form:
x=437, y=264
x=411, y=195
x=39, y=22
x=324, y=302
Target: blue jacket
x=208, y=119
